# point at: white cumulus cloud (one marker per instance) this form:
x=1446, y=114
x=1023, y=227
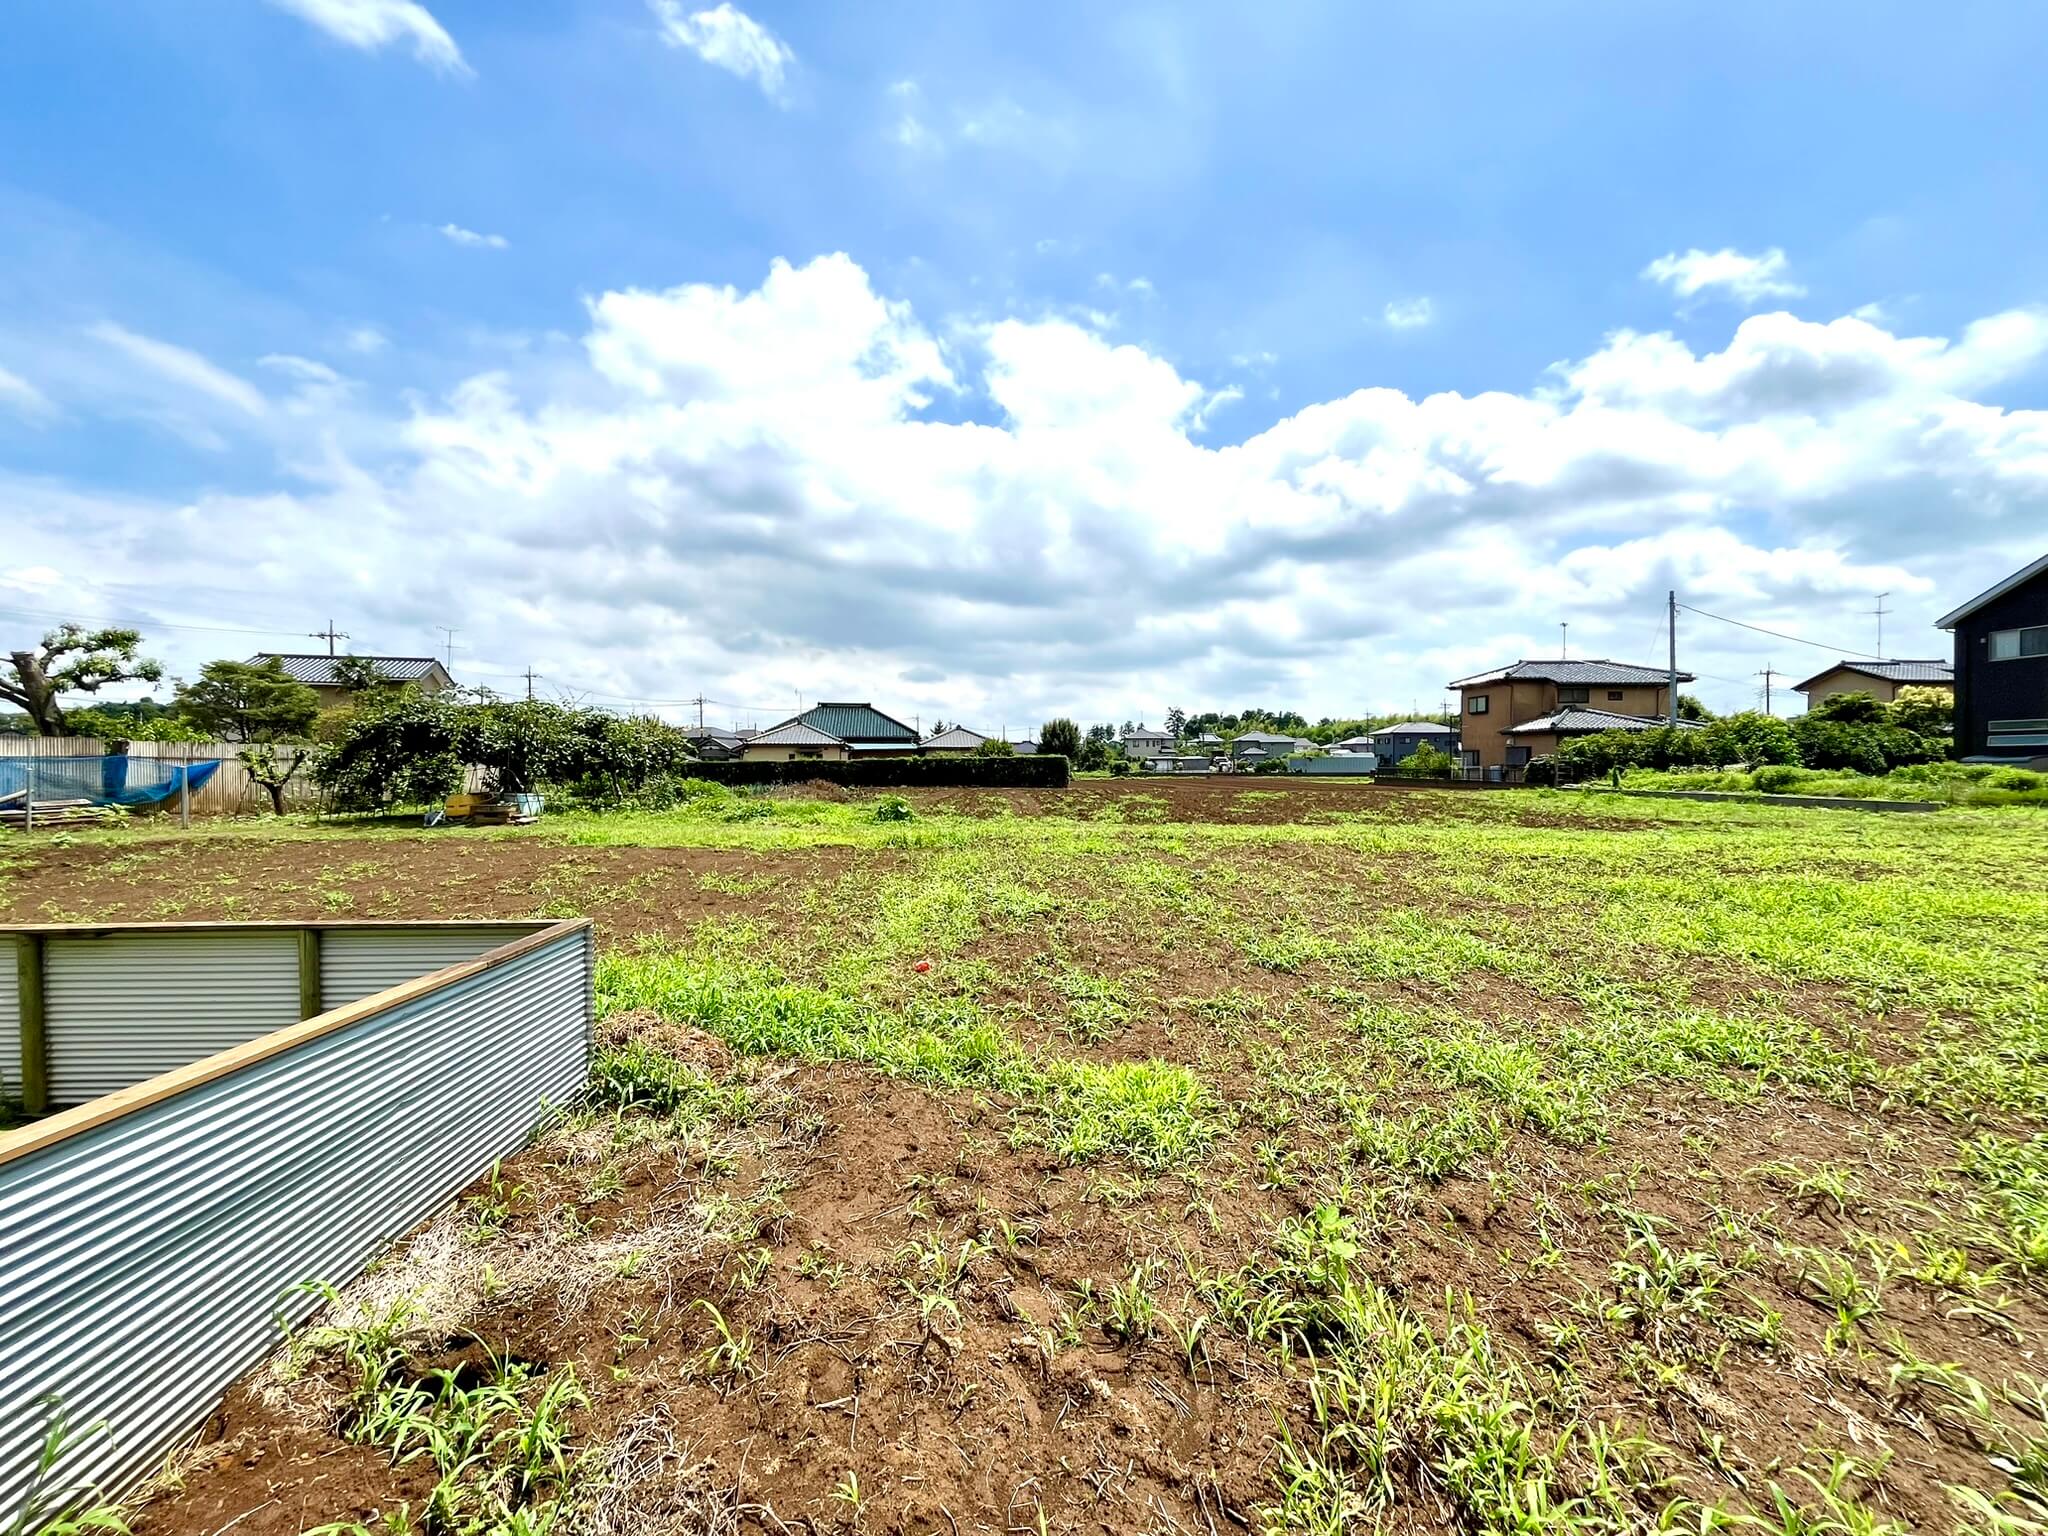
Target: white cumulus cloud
x=1409, y=314
x=730, y=39
x=1746, y=279
x=461, y=236
x=800, y=485
x=372, y=24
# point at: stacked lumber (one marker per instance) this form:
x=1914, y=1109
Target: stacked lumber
x=16, y=810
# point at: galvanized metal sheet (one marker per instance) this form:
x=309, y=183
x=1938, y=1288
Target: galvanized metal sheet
x=10, y=1020
x=355, y=962
x=149, y=1258
x=128, y=1007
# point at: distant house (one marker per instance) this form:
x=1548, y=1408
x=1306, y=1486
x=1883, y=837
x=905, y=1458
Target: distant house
x=865, y=730
x=1257, y=745
x=958, y=741
x=1208, y=741
x=715, y=746
x=794, y=741
x=1882, y=680
x=2001, y=669
x=1391, y=743
x=1541, y=737
x=317, y=673
x=1024, y=746
x=1143, y=744
x=1501, y=710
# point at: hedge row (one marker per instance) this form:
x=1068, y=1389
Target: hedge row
x=1047, y=771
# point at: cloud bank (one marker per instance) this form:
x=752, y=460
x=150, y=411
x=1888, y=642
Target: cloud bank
x=806, y=487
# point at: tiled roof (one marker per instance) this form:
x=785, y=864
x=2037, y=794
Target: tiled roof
x=1142, y=734
x=1890, y=671
x=1579, y=718
x=957, y=739
x=857, y=722
x=794, y=733
x=1266, y=737
x=319, y=670
x=1592, y=673
x=1415, y=728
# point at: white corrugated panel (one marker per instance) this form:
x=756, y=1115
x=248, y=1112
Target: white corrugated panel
x=148, y=1257
x=354, y=962
x=132, y=1006
x=10, y=1019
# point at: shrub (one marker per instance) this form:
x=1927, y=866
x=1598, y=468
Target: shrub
x=894, y=808
x=1038, y=771
x=995, y=746
x=1925, y=711
x=1119, y=767
x=1425, y=762
x=1778, y=779
x=1752, y=738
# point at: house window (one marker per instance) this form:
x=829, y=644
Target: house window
x=2012, y=644
x=1573, y=695
x=1476, y=705
x=1614, y=694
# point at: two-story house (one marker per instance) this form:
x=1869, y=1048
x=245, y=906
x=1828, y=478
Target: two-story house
x=1144, y=745
x=1521, y=711
x=2002, y=670
x=1882, y=680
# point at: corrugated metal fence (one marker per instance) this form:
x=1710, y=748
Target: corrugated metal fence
x=153, y=1237
x=230, y=792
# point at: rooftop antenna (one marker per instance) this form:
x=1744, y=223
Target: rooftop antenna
x=1879, y=611
x=330, y=634
x=1564, y=650
x=451, y=634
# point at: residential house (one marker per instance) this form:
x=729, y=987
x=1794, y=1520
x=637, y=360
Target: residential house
x=1500, y=710
x=1882, y=680
x=317, y=672
x=1024, y=746
x=715, y=746
x=1258, y=745
x=865, y=730
x=1208, y=741
x=1391, y=743
x=2001, y=668
x=1541, y=737
x=1143, y=744
x=795, y=741
x=957, y=741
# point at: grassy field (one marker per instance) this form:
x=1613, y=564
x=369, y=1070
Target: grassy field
x=1189, y=1158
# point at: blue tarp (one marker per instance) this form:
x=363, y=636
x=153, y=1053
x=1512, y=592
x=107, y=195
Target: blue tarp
x=102, y=780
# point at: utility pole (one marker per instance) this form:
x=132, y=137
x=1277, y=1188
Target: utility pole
x=1767, y=674
x=1879, y=611
x=530, y=675
x=1564, y=635
x=330, y=634
x=699, y=702
x=1671, y=619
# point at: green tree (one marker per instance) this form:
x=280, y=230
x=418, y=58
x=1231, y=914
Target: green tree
x=1925, y=711
x=1690, y=708
x=248, y=701
x=1060, y=738
x=403, y=752
x=1851, y=708
x=1176, y=722
x=72, y=659
x=359, y=674
x=274, y=766
x=995, y=746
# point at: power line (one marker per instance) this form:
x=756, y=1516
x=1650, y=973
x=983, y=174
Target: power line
x=1777, y=634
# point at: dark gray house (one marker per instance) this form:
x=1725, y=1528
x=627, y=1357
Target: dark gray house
x=1391, y=743
x=2002, y=670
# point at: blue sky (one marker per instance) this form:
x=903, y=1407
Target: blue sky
x=1126, y=356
